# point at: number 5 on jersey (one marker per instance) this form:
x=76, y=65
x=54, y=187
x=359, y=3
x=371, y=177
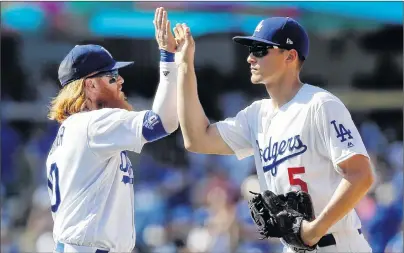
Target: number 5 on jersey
x=53, y=185
x=297, y=181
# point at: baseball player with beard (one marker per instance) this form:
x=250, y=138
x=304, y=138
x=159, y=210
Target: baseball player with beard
x=90, y=177
x=302, y=137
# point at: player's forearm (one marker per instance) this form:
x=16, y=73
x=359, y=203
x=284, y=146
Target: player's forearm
x=165, y=101
x=193, y=120
x=349, y=192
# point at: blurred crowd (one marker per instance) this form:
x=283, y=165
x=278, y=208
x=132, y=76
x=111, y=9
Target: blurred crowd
x=188, y=202
x=185, y=202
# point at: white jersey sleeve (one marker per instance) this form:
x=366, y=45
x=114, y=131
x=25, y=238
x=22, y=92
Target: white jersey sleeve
x=338, y=132
x=115, y=130
x=236, y=131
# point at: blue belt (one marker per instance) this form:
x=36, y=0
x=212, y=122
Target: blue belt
x=60, y=248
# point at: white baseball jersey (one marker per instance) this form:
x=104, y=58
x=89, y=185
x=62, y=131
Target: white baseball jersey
x=90, y=179
x=299, y=146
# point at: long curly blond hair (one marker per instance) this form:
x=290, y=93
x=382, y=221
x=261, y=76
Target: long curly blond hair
x=69, y=101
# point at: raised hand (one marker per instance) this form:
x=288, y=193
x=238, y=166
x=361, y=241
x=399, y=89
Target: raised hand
x=164, y=37
x=186, y=44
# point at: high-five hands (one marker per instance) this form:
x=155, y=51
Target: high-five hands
x=164, y=37
x=186, y=47
x=182, y=44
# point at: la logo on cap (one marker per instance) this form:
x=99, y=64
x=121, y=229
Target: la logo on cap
x=259, y=26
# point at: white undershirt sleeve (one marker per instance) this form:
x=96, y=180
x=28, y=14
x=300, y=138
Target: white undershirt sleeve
x=165, y=101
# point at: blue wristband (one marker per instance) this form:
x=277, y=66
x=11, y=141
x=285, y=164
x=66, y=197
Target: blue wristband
x=166, y=56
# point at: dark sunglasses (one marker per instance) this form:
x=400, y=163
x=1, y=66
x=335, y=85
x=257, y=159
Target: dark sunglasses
x=259, y=51
x=113, y=74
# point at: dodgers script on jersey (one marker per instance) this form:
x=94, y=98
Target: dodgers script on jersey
x=88, y=160
x=299, y=146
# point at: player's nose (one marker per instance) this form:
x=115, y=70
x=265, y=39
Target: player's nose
x=120, y=80
x=251, y=59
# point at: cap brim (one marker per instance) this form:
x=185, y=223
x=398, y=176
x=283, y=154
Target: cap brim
x=117, y=65
x=250, y=40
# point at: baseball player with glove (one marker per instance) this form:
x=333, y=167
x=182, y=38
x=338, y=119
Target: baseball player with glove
x=311, y=162
x=90, y=177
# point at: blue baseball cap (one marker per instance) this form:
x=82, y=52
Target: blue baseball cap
x=283, y=32
x=83, y=60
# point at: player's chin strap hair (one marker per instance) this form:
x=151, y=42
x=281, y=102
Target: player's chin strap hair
x=162, y=119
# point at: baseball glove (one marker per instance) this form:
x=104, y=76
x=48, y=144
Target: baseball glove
x=282, y=215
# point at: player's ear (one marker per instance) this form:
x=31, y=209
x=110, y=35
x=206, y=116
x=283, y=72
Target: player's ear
x=89, y=83
x=292, y=56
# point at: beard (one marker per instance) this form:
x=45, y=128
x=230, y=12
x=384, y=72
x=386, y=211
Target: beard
x=120, y=101
x=125, y=102
x=123, y=96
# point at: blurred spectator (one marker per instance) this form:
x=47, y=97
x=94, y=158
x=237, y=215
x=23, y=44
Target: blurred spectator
x=13, y=78
x=10, y=143
x=389, y=214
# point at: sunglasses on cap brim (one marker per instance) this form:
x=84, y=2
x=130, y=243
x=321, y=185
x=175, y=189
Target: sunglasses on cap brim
x=113, y=74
